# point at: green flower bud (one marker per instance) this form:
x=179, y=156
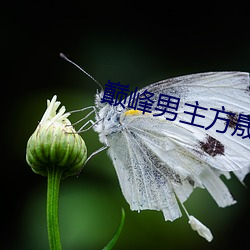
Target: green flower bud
x=55, y=144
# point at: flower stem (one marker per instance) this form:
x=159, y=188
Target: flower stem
x=54, y=177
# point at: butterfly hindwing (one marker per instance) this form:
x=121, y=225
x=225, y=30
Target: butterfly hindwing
x=142, y=184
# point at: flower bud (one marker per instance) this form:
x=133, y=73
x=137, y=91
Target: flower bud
x=55, y=144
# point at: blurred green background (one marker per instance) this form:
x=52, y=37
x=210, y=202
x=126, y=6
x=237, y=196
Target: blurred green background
x=135, y=43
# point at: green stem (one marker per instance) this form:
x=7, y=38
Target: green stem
x=54, y=177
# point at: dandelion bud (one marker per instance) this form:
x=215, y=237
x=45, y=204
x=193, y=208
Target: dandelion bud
x=55, y=143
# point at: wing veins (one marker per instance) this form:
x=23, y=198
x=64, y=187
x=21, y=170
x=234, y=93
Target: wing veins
x=132, y=153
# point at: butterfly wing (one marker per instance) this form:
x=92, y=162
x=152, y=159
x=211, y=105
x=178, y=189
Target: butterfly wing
x=143, y=186
x=157, y=160
x=230, y=90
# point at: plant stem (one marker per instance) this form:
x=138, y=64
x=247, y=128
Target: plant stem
x=54, y=177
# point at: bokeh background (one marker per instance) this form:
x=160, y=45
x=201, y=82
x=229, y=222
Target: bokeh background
x=135, y=43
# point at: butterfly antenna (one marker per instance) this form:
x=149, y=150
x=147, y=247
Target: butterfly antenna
x=68, y=60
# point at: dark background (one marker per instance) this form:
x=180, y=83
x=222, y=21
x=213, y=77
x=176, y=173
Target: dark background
x=136, y=43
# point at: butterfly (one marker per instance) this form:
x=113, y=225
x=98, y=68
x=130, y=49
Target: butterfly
x=159, y=160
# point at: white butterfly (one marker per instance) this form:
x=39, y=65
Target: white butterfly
x=159, y=162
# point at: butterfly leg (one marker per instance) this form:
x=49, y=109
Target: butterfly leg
x=96, y=152
x=91, y=155
x=83, y=129
x=86, y=116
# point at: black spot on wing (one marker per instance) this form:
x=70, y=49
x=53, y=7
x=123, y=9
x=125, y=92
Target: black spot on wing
x=212, y=146
x=191, y=181
x=233, y=120
x=248, y=89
